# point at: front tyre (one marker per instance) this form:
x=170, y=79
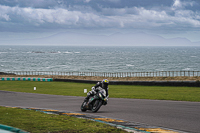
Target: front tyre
x=96, y=106
x=83, y=109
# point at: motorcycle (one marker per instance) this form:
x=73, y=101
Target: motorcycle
x=95, y=102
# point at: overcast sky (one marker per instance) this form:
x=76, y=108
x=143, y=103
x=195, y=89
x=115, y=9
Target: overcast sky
x=40, y=18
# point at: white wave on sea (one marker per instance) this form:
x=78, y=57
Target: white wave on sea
x=186, y=69
x=99, y=59
x=129, y=65
x=67, y=52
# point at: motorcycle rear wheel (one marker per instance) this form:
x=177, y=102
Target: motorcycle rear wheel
x=97, y=105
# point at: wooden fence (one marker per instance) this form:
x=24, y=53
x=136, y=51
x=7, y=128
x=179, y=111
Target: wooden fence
x=109, y=74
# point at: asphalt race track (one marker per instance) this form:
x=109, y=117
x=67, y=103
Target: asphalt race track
x=177, y=115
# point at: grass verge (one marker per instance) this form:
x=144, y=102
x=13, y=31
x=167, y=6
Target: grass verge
x=38, y=122
x=115, y=91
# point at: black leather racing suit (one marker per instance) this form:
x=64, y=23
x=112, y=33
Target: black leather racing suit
x=96, y=88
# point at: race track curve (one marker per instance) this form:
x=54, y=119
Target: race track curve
x=177, y=115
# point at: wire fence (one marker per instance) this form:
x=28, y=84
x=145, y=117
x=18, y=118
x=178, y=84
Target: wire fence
x=109, y=74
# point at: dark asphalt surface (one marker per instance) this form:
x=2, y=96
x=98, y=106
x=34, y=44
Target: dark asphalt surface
x=182, y=116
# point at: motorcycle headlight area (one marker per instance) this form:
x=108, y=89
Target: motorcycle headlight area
x=103, y=92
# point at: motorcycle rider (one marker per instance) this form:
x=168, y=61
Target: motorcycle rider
x=100, y=85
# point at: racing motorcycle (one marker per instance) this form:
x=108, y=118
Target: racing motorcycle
x=95, y=102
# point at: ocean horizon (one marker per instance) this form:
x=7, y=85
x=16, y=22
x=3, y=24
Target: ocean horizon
x=99, y=59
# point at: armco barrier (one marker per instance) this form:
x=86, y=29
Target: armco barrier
x=144, y=83
x=25, y=79
x=147, y=83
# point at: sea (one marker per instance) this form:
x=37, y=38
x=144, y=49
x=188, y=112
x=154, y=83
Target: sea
x=99, y=59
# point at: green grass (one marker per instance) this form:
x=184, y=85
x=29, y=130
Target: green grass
x=38, y=122
x=158, y=93
x=115, y=91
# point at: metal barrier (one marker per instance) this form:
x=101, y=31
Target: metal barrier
x=25, y=79
x=109, y=74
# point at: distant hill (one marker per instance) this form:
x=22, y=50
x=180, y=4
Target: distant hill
x=117, y=39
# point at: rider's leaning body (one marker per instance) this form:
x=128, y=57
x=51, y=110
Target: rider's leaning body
x=100, y=85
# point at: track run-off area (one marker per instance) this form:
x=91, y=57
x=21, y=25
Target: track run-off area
x=161, y=115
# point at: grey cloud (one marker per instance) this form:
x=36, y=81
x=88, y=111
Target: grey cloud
x=38, y=17
x=92, y=3
x=181, y=4
x=30, y=3
x=87, y=14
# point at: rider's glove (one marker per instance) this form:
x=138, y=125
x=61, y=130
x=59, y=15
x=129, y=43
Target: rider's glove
x=106, y=99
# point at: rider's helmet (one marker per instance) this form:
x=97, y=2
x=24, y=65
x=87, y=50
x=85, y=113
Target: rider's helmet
x=105, y=83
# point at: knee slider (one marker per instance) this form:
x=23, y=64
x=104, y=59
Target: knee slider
x=89, y=93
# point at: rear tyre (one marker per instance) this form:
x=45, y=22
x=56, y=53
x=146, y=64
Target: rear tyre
x=96, y=106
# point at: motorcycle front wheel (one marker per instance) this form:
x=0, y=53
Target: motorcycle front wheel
x=96, y=106
x=83, y=107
